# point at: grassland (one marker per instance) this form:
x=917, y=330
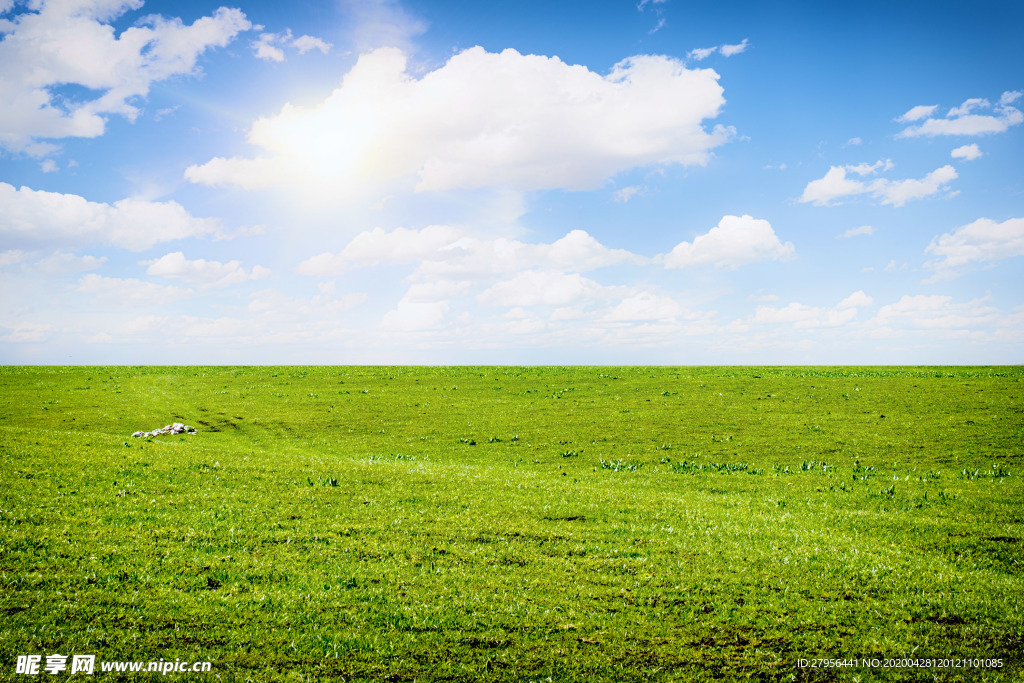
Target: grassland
x=515, y=524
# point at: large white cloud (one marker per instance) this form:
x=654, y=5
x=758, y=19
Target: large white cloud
x=36, y=217
x=735, y=241
x=982, y=241
x=835, y=185
x=62, y=42
x=964, y=120
x=482, y=119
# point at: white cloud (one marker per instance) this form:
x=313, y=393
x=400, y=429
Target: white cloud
x=409, y=316
x=31, y=217
x=627, y=193
x=380, y=23
x=28, y=333
x=60, y=43
x=13, y=256
x=645, y=306
x=865, y=168
x=49, y=166
x=855, y=300
x=370, y=248
x=862, y=230
x=803, y=316
x=524, y=122
x=269, y=46
x=963, y=121
x=921, y=111
x=265, y=49
x=439, y=290
x=938, y=314
x=982, y=241
x=835, y=185
x=445, y=250
x=968, y=106
x=701, y=53
x=202, y=272
x=967, y=152
x=730, y=50
x=275, y=306
x=831, y=187
x=853, y=142
x=541, y=288
x=129, y=291
x=735, y=241
x=64, y=263
x=899, y=192
x=306, y=44
x=1010, y=97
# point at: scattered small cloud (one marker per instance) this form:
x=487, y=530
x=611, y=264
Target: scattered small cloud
x=853, y=142
x=963, y=120
x=730, y=50
x=967, y=152
x=165, y=112
x=627, y=193
x=270, y=46
x=702, y=53
x=659, y=12
x=49, y=166
x=862, y=230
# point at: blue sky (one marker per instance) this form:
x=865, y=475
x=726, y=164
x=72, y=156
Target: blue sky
x=659, y=182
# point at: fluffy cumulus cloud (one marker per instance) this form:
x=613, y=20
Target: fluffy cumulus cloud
x=735, y=241
x=445, y=251
x=37, y=218
x=202, y=272
x=483, y=119
x=982, y=241
x=836, y=185
x=58, y=43
x=965, y=119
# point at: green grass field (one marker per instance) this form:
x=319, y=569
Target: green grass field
x=515, y=524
